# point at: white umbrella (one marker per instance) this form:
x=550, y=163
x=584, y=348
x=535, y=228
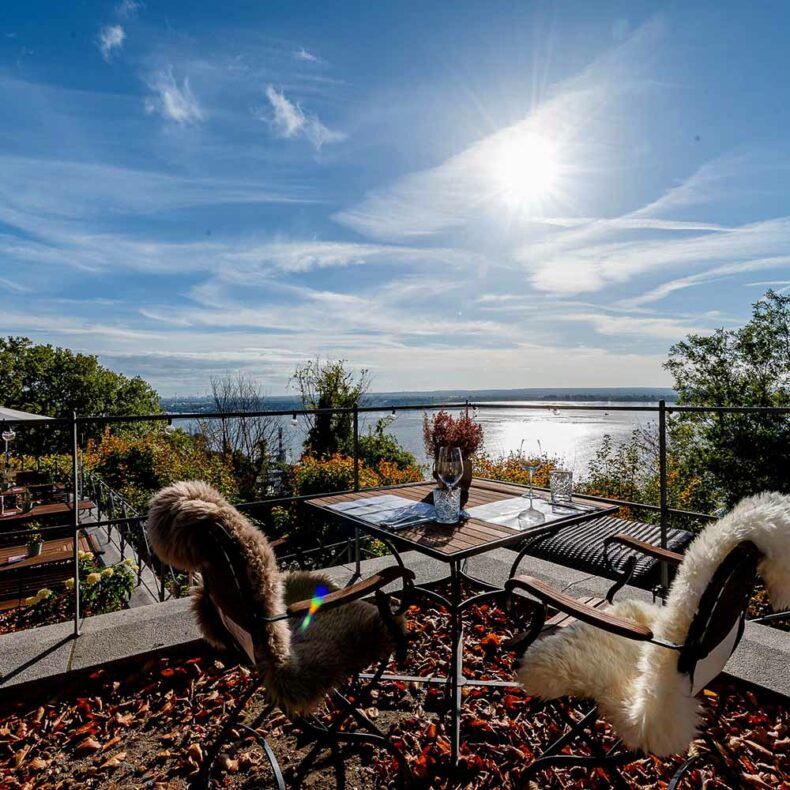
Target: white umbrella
x=15, y=414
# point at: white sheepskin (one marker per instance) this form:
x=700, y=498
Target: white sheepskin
x=636, y=684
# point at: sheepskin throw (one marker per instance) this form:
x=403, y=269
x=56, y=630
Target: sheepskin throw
x=637, y=685
x=300, y=665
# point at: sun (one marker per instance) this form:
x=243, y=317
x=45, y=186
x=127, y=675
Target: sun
x=524, y=169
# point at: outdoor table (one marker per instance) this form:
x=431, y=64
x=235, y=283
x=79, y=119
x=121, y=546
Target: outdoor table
x=453, y=544
x=51, y=551
x=45, y=511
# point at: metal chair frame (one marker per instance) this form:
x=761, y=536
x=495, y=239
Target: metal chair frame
x=328, y=736
x=742, y=560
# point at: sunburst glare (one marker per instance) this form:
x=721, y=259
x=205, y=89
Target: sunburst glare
x=525, y=170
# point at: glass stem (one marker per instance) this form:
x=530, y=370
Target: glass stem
x=530, y=487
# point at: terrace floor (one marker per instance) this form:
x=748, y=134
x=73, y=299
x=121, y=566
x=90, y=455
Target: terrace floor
x=131, y=702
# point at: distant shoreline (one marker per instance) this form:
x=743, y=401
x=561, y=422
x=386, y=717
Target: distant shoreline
x=543, y=394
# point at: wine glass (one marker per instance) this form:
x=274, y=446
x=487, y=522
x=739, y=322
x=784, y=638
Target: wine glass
x=450, y=466
x=531, y=517
x=530, y=463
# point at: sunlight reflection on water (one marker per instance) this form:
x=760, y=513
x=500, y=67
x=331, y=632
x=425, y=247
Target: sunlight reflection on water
x=572, y=436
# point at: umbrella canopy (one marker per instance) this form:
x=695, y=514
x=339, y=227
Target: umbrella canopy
x=15, y=414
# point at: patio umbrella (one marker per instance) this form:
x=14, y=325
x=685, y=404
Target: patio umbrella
x=15, y=414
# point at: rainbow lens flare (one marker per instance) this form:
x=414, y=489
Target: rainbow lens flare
x=315, y=604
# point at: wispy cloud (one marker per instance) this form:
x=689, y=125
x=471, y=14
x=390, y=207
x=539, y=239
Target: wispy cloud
x=128, y=8
x=111, y=38
x=173, y=101
x=710, y=275
x=464, y=193
x=288, y=120
x=304, y=55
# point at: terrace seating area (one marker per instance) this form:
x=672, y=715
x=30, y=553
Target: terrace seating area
x=36, y=528
x=419, y=667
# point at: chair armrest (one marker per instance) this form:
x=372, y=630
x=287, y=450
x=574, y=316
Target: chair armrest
x=565, y=603
x=646, y=548
x=279, y=543
x=361, y=589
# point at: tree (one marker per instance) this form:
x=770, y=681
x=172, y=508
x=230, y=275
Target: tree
x=245, y=442
x=54, y=381
x=738, y=454
x=324, y=385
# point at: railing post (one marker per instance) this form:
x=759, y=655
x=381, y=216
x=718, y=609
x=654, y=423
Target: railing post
x=357, y=571
x=662, y=486
x=356, y=447
x=75, y=521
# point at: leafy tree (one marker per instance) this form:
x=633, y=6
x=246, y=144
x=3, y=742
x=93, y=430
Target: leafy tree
x=378, y=445
x=324, y=385
x=737, y=454
x=55, y=381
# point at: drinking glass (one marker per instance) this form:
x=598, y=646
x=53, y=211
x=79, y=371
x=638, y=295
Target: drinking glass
x=531, y=517
x=530, y=463
x=449, y=470
x=448, y=505
x=450, y=466
x=561, y=485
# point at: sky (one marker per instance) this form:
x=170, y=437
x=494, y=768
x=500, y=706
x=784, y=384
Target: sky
x=449, y=194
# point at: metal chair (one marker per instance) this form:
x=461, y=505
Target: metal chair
x=305, y=638
x=643, y=664
x=712, y=636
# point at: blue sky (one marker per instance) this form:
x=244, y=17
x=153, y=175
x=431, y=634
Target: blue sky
x=449, y=194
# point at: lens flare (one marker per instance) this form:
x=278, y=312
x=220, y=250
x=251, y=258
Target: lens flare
x=315, y=604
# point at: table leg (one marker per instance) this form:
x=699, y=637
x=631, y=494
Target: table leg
x=456, y=663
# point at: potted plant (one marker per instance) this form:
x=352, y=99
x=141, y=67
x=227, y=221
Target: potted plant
x=27, y=501
x=444, y=430
x=34, y=540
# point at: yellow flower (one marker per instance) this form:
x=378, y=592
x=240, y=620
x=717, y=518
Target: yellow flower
x=43, y=594
x=93, y=578
x=69, y=583
x=30, y=601
x=107, y=572
x=85, y=555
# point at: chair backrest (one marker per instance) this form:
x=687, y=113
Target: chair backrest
x=26, y=477
x=227, y=583
x=717, y=626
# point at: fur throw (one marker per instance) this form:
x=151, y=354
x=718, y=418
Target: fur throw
x=636, y=684
x=300, y=665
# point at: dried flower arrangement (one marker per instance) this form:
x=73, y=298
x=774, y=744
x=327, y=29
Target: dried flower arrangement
x=444, y=430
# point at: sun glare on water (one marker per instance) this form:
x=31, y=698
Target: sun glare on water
x=525, y=170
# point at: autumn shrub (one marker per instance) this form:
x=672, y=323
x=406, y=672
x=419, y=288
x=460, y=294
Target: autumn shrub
x=510, y=469
x=138, y=466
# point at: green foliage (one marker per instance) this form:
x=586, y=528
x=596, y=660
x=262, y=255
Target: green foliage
x=737, y=454
x=102, y=590
x=378, y=445
x=324, y=385
x=52, y=381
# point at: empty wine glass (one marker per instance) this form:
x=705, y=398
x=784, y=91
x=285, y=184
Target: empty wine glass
x=450, y=466
x=531, y=517
x=530, y=462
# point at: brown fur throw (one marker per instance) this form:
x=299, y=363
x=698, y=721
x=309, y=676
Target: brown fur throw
x=300, y=665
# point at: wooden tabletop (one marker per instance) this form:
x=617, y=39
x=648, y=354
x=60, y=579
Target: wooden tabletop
x=451, y=542
x=42, y=511
x=51, y=551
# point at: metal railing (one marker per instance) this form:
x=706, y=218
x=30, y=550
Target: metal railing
x=662, y=411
